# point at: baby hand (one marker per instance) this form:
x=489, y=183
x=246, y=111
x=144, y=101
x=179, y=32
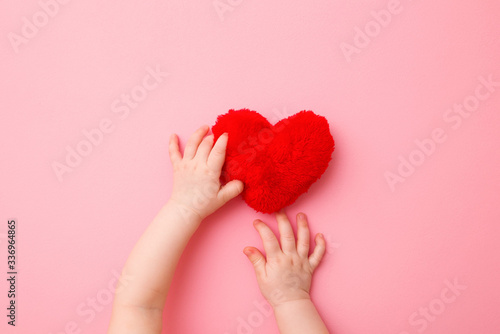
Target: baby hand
x=286, y=274
x=196, y=188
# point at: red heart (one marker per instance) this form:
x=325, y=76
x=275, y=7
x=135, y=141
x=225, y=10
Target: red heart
x=277, y=163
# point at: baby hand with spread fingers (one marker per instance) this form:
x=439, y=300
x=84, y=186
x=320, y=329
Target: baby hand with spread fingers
x=284, y=274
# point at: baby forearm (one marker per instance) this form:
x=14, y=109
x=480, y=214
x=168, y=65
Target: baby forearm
x=196, y=193
x=299, y=316
x=151, y=264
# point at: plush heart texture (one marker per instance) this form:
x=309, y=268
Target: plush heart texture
x=277, y=163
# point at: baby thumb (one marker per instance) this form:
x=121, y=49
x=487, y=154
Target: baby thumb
x=256, y=257
x=231, y=190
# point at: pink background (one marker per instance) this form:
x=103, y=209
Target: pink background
x=391, y=251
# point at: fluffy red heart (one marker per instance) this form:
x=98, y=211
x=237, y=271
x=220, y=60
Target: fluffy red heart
x=277, y=163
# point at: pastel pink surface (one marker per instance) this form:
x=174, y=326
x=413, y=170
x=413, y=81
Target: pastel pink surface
x=391, y=252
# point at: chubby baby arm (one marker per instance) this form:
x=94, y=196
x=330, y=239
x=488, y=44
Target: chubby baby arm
x=196, y=193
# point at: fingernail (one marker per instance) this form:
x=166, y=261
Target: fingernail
x=247, y=251
x=320, y=235
x=301, y=215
